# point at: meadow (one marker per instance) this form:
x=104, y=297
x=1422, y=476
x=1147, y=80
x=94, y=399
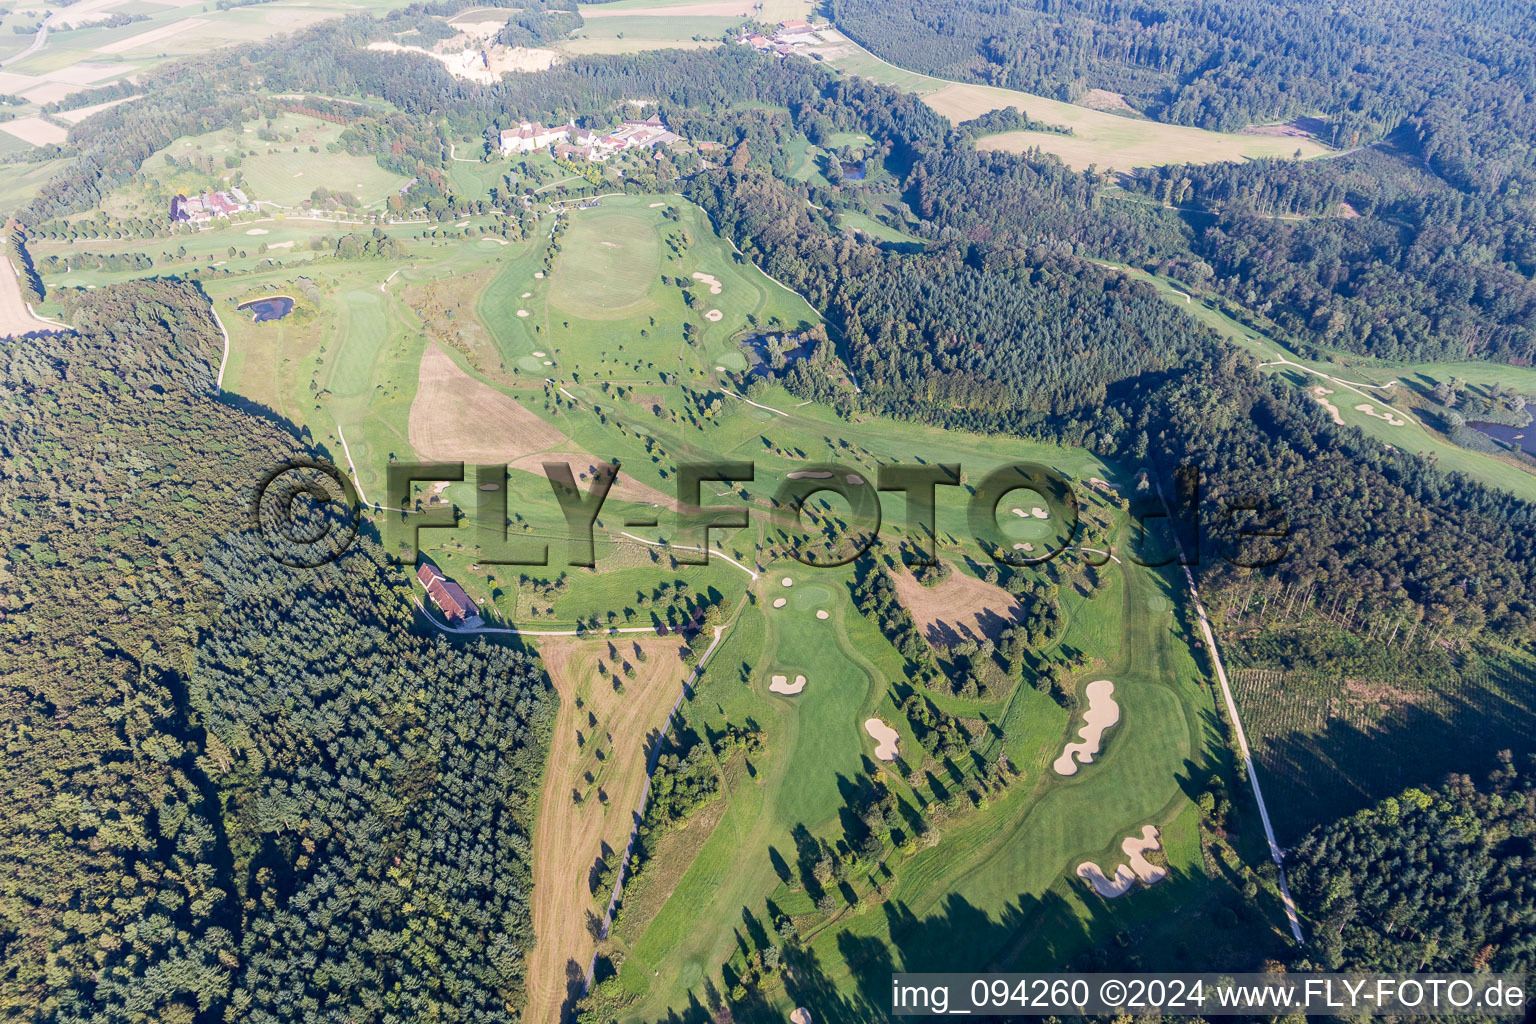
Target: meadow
x=282, y=170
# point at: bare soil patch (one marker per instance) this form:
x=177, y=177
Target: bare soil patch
x=959, y=607
x=569, y=836
x=15, y=318
x=484, y=65
x=81, y=113
x=456, y=418
x=1101, y=713
x=35, y=130
x=885, y=738
x=1139, y=869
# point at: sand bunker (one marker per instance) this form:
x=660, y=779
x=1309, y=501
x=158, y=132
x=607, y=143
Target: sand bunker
x=1102, y=713
x=709, y=279
x=780, y=602
x=781, y=684
x=1026, y=547
x=1370, y=410
x=787, y=581
x=855, y=479
x=1039, y=513
x=257, y=231
x=1321, y=394
x=800, y=1016
x=527, y=295
x=822, y=613
x=885, y=738
x=522, y=312
x=806, y=474
x=654, y=205
x=538, y=273
x=541, y=355
x=1126, y=875
x=714, y=316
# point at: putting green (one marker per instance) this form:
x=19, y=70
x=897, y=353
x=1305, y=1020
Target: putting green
x=809, y=597
x=731, y=360
x=611, y=259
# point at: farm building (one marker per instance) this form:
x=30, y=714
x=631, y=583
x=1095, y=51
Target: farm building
x=449, y=597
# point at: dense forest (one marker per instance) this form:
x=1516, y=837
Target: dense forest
x=1441, y=879
x=1462, y=74
x=231, y=785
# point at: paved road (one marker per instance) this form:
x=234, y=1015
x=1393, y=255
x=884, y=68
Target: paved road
x=37, y=44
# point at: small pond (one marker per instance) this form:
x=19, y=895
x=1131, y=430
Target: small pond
x=1523, y=438
x=854, y=172
x=274, y=307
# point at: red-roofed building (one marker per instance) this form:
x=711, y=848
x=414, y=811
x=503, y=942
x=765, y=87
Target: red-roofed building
x=449, y=597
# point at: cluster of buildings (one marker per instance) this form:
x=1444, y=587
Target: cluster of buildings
x=573, y=143
x=791, y=37
x=449, y=597
x=205, y=206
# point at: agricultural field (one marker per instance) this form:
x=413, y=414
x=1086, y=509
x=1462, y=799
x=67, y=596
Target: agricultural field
x=633, y=26
x=1099, y=138
x=635, y=32
x=78, y=52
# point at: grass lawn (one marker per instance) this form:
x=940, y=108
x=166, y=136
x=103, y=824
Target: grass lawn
x=281, y=170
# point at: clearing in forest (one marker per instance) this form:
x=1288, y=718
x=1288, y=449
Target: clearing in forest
x=1107, y=140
